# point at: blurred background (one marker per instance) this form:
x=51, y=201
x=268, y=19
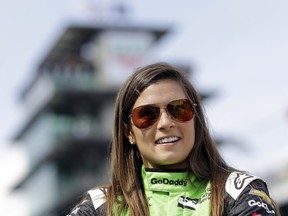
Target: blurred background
x=62, y=62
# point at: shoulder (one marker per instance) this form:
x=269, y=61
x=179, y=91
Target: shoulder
x=97, y=197
x=237, y=182
x=247, y=194
x=91, y=204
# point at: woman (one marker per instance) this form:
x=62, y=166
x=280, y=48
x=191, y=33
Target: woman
x=163, y=159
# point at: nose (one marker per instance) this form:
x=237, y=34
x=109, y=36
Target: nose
x=165, y=120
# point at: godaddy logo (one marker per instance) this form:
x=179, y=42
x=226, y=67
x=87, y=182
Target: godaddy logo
x=167, y=181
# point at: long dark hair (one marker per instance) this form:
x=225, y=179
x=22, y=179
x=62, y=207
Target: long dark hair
x=126, y=190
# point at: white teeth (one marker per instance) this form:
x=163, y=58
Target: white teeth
x=167, y=140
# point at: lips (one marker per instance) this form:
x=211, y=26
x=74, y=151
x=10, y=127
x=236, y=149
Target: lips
x=164, y=140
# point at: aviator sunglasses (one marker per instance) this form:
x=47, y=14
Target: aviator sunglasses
x=147, y=115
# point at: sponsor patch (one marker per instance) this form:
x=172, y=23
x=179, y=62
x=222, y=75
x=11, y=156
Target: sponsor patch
x=255, y=214
x=236, y=183
x=240, y=179
x=167, y=181
x=186, y=202
x=206, y=195
x=261, y=205
x=262, y=194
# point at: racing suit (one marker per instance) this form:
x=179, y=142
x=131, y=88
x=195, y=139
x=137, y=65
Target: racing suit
x=170, y=194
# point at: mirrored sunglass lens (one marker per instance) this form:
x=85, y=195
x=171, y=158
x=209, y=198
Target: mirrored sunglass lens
x=180, y=110
x=145, y=116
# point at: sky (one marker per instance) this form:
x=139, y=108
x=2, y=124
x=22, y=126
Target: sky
x=238, y=49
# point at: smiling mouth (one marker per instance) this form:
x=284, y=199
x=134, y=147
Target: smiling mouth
x=167, y=140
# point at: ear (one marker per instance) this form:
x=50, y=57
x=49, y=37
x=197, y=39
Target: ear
x=130, y=136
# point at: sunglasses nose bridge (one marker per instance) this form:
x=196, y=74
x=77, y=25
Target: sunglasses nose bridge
x=165, y=110
x=167, y=114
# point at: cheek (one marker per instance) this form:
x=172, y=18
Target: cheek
x=143, y=136
x=189, y=133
